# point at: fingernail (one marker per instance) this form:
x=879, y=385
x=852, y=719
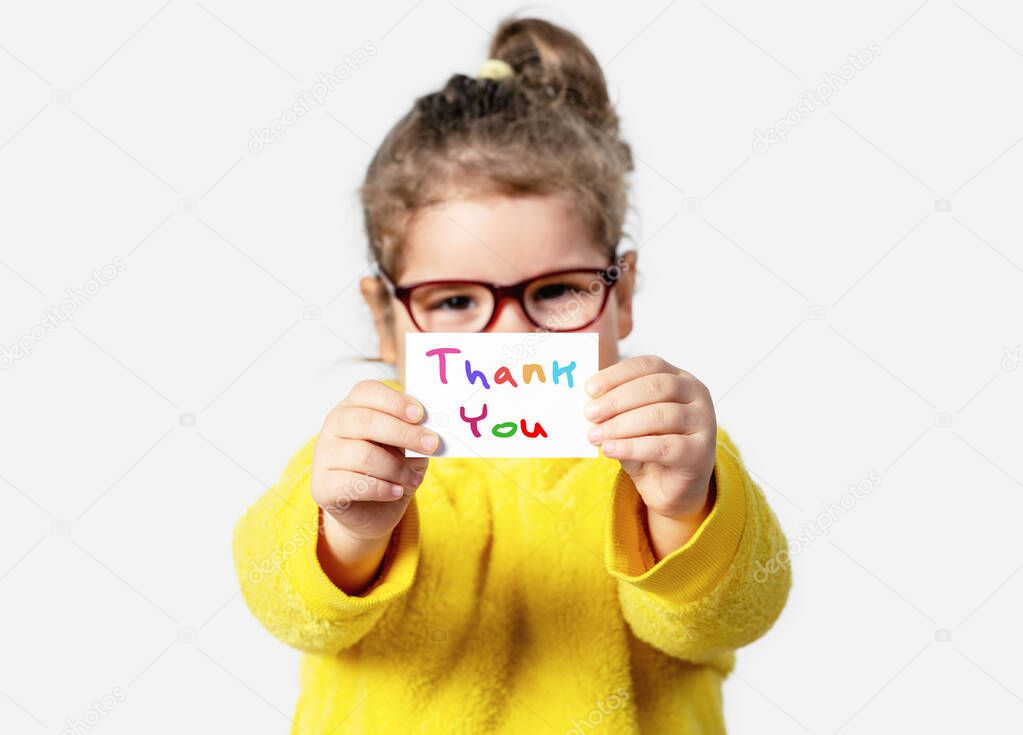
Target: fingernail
x=608, y=448
x=593, y=387
x=590, y=410
x=593, y=434
x=397, y=491
x=429, y=442
x=413, y=412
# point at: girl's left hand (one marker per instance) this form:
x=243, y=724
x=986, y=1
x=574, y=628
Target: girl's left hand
x=659, y=422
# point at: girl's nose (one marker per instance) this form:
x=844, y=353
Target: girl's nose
x=510, y=318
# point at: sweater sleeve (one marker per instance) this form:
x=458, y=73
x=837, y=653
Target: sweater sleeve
x=722, y=589
x=275, y=556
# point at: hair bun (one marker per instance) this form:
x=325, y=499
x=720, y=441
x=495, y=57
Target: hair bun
x=558, y=64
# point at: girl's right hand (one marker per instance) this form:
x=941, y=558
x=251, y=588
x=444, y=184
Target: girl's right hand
x=360, y=476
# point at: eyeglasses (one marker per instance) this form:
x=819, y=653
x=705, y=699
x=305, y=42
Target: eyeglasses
x=558, y=301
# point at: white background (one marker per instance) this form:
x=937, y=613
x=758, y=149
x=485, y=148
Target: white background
x=135, y=434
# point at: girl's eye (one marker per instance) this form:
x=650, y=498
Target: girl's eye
x=554, y=291
x=453, y=303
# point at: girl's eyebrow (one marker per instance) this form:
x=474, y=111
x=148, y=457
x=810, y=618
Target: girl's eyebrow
x=541, y=274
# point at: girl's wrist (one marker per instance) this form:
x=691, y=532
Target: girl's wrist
x=669, y=533
x=351, y=563
x=341, y=538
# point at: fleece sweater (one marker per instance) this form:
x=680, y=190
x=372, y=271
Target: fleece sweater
x=518, y=596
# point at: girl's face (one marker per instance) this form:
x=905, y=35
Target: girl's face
x=499, y=240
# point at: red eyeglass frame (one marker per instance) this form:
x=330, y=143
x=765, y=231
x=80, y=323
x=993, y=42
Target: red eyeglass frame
x=500, y=292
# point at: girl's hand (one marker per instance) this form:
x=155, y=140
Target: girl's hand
x=659, y=422
x=360, y=476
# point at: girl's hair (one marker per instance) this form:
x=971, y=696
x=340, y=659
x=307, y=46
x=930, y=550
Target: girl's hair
x=550, y=128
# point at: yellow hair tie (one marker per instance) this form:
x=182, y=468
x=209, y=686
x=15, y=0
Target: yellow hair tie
x=495, y=69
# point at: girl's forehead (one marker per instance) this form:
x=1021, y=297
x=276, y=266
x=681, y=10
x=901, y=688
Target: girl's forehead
x=503, y=239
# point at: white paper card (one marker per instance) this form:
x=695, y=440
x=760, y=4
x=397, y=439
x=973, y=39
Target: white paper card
x=503, y=394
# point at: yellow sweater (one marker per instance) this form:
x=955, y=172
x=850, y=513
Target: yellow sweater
x=518, y=596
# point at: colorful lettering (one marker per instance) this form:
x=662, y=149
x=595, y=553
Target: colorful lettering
x=473, y=420
x=528, y=371
x=556, y=371
x=504, y=430
x=471, y=375
x=537, y=429
x=503, y=375
x=440, y=352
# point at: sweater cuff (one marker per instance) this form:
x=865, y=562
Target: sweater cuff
x=396, y=575
x=694, y=569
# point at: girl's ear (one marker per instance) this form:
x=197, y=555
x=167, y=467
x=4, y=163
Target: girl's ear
x=377, y=299
x=624, y=290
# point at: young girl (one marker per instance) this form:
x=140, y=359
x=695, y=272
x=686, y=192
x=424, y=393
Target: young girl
x=514, y=595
